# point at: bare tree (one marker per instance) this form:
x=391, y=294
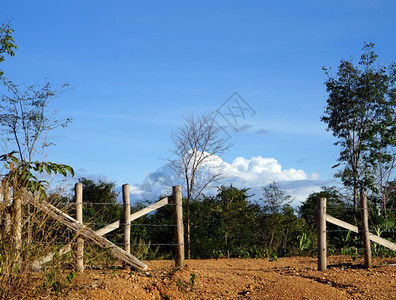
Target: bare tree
x=196, y=144
x=25, y=118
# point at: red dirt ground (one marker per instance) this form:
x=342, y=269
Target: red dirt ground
x=286, y=278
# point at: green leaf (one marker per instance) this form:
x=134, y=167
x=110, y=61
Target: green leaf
x=70, y=170
x=62, y=171
x=47, y=168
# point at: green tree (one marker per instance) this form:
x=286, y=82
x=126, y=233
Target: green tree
x=7, y=45
x=237, y=217
x=100, y=203
x=360, y=113
x=336, y=205
x=274, y=198
x=224, y=225
x=276, y=218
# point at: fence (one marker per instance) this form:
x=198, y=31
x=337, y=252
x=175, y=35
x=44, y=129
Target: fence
x=323, y=218
x=97, y=236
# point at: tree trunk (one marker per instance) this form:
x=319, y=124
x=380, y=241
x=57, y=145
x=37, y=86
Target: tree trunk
x=355, y=196
x=272, y=238
x=226, y=243
x=286, y=236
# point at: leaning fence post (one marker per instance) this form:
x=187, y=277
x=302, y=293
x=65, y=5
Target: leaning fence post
x=322, y=238
x=79, y=218
x=365, y=230
x=179, y=229
x=127, y=221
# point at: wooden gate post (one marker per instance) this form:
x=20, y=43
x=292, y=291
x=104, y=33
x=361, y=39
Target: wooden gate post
x=179, y=229
x=322, y=237
x=127, y=222
x=79, y=218
x=365, y=230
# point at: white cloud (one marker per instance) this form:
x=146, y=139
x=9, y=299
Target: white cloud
x=261, y=171
x=254, y=173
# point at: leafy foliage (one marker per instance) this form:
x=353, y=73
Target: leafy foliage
x=7, y=43
x=220, y=223
x=274, y=198
x=230, y=225
x=24, y=244
x=100, y=203
x=336, y=206
x=23, y=174
x=361, y=114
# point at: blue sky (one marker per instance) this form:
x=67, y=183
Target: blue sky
x=137, y=66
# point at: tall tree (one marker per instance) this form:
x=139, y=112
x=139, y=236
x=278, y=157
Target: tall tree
x=274, y=198
x=276, y=215
x=237, y=215
x=196, y=144
x=361, y=114
x=7, y=45
x=23, y=120
x=225, y=224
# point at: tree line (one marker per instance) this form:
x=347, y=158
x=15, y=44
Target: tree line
x=231, y=224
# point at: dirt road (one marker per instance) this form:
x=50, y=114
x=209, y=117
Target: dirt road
x=286, y=278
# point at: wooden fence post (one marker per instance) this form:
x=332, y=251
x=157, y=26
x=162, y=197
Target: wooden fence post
x=179, y=229
x=79, y=218
x=7, y=223
x=16, y=220
x=322, y=237
x=127, y=222
x=365, y=230
x=5, y=191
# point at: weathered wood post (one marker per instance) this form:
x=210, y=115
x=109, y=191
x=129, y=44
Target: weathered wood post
x=16, y=219
x=127, y=222
x=365, y=233
x=79, y=218
x=322, y=237
x=7, y=223
x=179, y=229
x=5, y=191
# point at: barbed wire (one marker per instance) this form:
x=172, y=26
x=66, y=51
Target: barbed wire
x=352, y=248
x=371, y=231
x=118, y=203
x=64, y=243
x=359, y=208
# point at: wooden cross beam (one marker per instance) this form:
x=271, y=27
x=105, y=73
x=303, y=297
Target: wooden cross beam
x=102, y=231
x=373, y=237
x=86, y=232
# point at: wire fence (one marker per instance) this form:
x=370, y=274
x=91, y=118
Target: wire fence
x=353, y=239
x=64, y=230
